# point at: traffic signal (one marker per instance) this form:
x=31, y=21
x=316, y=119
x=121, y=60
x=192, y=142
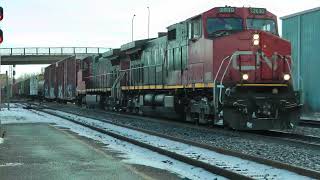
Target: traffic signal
x=1, y=17
x=1, y=13
x=1, y=36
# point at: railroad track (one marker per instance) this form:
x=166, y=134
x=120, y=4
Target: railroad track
x=312, y=141
x=304, y=140
x=309, y=123
x=219, y=168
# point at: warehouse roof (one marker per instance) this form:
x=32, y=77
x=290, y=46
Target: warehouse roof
x=301, y=13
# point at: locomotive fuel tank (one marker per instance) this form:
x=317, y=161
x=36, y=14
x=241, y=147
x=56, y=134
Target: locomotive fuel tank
x=160, y=105
x=148, y=99
x=159, y=100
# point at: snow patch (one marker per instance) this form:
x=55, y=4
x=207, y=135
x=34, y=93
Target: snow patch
x=131, y=153
x=1, y=140
x=235, y=164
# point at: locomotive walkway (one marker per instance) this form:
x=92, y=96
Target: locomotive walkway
x=45, y=55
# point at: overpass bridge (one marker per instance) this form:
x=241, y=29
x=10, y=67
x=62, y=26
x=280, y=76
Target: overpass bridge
x=45, y=55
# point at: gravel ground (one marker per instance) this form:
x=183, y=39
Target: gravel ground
x=308, y=131
x=290, y=153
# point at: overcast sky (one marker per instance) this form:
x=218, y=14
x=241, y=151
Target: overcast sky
x=107, y=23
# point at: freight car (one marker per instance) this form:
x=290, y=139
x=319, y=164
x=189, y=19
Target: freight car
x=31, y=87
x=61, y=80
x=226, y=66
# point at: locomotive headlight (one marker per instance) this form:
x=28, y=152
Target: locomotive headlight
x=256, y=39
x=245, y=77
x=286, y=77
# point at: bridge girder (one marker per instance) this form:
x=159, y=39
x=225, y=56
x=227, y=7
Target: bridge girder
x=25, y=60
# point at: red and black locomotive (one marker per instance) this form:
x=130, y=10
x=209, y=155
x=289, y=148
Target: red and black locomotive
x=227, y=66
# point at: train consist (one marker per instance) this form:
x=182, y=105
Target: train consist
x=31, y=87
x=226, y=66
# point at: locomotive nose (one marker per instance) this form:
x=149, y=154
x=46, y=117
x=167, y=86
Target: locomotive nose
x=271, y=44
x=266, y=61
x=275, y=55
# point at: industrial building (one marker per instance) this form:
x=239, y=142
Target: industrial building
x=303, y=31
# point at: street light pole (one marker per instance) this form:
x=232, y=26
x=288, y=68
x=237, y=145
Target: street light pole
x=148, y=22
x=0, y=85
x=7, y=89
x=132, y=27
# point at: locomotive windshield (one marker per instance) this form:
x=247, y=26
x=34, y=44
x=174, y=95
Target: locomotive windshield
x=223, y=26
x=268, y=25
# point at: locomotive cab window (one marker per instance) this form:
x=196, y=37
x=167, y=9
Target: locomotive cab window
x=194, y=29
x=267, y=25
x=135, y=56
x=217, y=27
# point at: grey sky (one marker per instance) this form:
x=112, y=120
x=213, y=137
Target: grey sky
x=107, y=23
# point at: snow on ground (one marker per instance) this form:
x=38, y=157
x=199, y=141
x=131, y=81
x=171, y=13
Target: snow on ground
x=1, y=140
x=131, y=153
x=204, y=155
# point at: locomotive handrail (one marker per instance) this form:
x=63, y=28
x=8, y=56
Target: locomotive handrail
x=116, y=82
x=154, y=65
x=231, y=58
x=288, y=65
x=98, y=75
x=299, y=76
x=224, y=74
x=215, y=79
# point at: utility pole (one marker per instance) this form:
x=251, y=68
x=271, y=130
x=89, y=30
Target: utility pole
x=7, y=89
x=148, y=22
x=1, y=40
x=0, y=86
x=132, y=27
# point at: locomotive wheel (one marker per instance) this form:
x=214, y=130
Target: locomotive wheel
x=136, y=110
x=191, y=117
x=129, y=109
x=233, y=119
x=188, y=116
x=289, y=119
x=196, y=118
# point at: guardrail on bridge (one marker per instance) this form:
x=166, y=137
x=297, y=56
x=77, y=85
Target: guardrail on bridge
x=40, y=51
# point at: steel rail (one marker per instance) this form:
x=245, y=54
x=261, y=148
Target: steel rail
x=309, y=123
x=276, y=164
x=312, y=141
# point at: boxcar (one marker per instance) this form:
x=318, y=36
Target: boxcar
x=50, y=84
x=60, y=80
x=66, y=78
